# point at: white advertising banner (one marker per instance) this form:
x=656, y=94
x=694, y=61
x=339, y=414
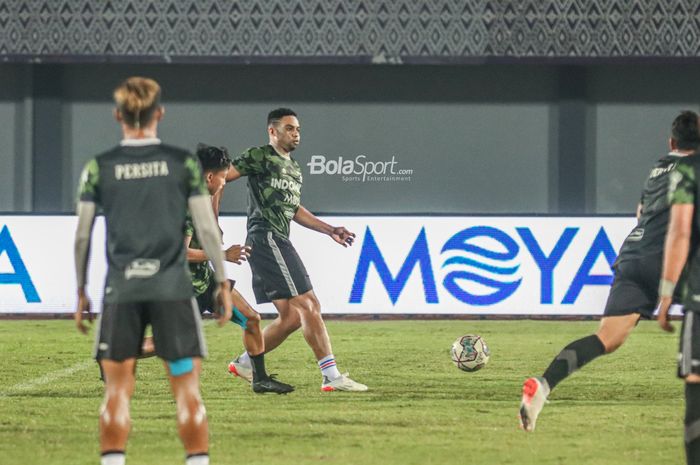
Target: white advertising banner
x=399, y=265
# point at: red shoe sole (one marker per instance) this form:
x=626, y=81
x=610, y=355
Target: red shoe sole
x=530, y=388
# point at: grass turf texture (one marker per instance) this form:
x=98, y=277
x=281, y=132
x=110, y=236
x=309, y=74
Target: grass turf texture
x=624, y=408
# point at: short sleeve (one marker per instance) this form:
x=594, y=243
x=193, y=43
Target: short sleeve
x=89, y=186
x=250, y=162
x=195, y=179
x=682, y=185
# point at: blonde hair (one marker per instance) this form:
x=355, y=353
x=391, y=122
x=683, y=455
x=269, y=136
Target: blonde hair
x=137, y=98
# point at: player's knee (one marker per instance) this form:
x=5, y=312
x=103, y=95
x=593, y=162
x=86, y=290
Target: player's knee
x=254, y=319
x=114, y=411
x=190, y=408
x=308, y=305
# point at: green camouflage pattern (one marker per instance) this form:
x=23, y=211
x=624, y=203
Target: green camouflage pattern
x=196, y=179
x=274, y=189
x=682, y=185
x=89, y=182
x=202, y=273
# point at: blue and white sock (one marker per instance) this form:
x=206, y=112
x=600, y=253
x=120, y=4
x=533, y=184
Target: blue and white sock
x=197, y=459
x=113, y=458
x=328, y=367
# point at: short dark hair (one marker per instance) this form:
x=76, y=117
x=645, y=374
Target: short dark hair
x=685, y=131
x=277, y=114
x=213, y=158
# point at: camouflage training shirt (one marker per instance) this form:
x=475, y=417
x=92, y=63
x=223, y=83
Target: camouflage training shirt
x=202, y=273
x=143, y=192
x=274, y=189
x=683, y=190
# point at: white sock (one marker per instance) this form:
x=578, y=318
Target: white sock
x=113, y=458
x=328, y=368
x=201, y=459
x=245, y=359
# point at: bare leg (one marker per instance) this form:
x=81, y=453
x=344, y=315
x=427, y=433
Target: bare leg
x=281, y=327
x=614, y=330
x=309, y=309
x=115, y=420
x=252, y=335
x=192, y=422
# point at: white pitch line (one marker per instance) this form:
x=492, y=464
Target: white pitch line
x=46, y=378
x=55, y=375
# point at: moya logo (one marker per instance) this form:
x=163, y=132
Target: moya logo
x=462, y=241
x=468, y=241
x=20, y=276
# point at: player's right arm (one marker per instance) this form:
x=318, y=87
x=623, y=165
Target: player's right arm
x=250, y=162
x=232, y=174
x=88, y=195
x=681, y=196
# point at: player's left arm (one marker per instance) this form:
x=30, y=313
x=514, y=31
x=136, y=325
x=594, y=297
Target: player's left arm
x=338, y=233
x=682, y=199
x=88, y=198
x=83, y=233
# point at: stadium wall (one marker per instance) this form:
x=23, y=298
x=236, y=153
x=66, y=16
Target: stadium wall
x=496, y=139
x=411, y=265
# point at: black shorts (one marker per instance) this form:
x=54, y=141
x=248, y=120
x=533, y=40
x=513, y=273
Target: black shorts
x=278, y=272
x=689, y=351
x=177, y=330
x=205, y=301
x=635, y=288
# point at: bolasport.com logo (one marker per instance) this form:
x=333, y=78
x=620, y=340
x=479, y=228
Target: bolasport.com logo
x=359, y=169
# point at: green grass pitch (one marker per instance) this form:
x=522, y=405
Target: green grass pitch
x=626, y=408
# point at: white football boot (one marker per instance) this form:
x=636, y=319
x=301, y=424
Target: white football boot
x=535, y=392
x=342, y=383
x=241, y=370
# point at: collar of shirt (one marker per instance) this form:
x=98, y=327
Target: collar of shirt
x=139, y=142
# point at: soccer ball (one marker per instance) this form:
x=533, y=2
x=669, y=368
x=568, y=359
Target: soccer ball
x=470, y=353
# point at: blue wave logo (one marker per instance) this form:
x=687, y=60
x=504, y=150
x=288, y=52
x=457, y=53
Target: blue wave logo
x=483, y=273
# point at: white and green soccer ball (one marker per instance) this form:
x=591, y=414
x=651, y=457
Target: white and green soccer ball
x=470, y=353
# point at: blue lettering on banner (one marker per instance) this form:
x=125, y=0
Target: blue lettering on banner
x=20, y=276
x=460, y=241
x=601, y=245
x=370, y=254
x=419, y=254
x=546, y=264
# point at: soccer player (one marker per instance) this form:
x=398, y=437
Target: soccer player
x=145, y=189
x=634, y=291
x=682, y=254
x=215, y=166
x=279, y=276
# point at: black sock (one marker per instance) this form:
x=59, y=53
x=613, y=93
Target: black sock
x=573, y=357
x=692, y=423
x=258, y=362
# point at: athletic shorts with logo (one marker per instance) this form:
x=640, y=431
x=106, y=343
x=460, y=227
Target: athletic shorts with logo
x=689, y=351
x=635, y=288
x=176, y=325
x=278, y=272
